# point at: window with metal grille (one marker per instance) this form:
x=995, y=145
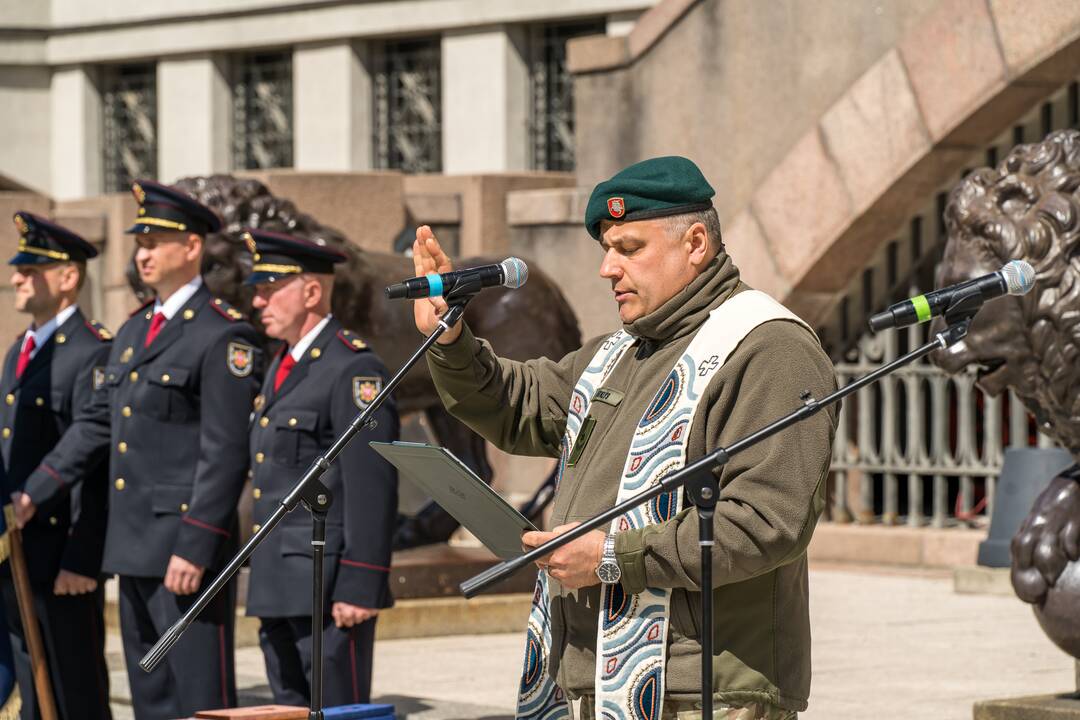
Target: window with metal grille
x=551, y=121
x=408, y=105
x=130, y=124
x=262, y=110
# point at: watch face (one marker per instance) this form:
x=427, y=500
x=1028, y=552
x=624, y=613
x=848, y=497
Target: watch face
x=608, y=572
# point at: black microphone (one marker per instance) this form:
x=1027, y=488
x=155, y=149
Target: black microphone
x=511, y=273
x=1015, y=278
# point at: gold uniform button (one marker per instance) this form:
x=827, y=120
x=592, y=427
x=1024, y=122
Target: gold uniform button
x=133, y=376
x=60, y=339
x=316, y=352
x=53, y=520
x=119, y=484
x=188, y=314
x=126, y=412
x=251, y=474
x=292, y=422
x=259, y=457
x=165, y=377
x=255, y=528
x=10, y=399
x=39, y=401
x=183, y=507
x=257, y=493
x=6, y=433
x=264, y=421
x=122, y=447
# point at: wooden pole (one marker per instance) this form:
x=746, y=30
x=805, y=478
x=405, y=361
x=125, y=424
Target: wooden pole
x=28, y=615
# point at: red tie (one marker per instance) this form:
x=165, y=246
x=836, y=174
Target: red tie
x=24, y=356
x=155, y=328
x=283, y=370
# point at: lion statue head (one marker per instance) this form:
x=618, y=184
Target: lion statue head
x=1026, y=208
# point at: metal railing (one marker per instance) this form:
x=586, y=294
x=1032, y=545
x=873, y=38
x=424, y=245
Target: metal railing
x=921, y=447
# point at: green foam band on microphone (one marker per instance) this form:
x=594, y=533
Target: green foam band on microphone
x=922, y=307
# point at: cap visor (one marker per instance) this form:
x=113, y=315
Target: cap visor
x=143, y=229
x=257, y=278
x=25, y=258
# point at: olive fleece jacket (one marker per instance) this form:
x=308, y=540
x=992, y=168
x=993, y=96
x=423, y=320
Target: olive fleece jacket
x=771, y=494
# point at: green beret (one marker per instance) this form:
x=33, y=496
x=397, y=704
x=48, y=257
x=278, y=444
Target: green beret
x=652, y=188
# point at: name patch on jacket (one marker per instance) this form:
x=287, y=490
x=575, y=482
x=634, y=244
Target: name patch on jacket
x=608, y=396
x=240, y=359
x=364, y=390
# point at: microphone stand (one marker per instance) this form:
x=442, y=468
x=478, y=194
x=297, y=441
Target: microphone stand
x=702, y=486
x=315, y=496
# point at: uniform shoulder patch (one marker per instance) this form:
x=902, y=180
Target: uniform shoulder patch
x=240, y=358
x=142, y=307
x=226, y=310
x=351, y=340
x=99, y=331
x=364, y=390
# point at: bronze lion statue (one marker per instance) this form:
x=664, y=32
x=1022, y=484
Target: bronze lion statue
x=1028, y=208
x=533, y=321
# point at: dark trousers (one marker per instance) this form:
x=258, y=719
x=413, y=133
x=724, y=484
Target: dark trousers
x=198, y=673
x=73, y=633
x=347, y=656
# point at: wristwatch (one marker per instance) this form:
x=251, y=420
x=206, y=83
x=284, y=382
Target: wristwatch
x=608, y=570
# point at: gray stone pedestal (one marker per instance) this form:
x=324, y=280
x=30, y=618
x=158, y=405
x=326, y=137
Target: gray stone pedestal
x=1035, y=707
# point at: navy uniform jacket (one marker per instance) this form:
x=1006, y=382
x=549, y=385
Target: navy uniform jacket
x=337, y=376
x=174, y=421
x=69, y=531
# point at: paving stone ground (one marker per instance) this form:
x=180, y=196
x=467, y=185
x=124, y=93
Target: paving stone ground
x=887, y=645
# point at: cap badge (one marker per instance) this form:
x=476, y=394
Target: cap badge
x=21, y=225
x=250, y=242
x=138, y=192
x=616, y=207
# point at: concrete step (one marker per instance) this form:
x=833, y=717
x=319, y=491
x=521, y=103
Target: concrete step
x=895, y=545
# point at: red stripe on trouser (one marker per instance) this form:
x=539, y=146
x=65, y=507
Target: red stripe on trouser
x=352, y=663
x=224, y=670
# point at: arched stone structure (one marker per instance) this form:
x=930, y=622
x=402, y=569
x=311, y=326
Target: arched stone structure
x=960, y=73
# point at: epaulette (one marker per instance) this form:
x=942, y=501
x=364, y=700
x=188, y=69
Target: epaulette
x=226, y=310
x=142, y=307
x=100, y=331
x=351, y=341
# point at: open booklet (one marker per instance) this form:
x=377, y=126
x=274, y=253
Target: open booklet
x=449, y=482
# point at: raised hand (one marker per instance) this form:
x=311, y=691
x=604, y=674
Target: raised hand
x=428, y=257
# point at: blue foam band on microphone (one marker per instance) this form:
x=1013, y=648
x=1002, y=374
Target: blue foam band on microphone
x=434, y=281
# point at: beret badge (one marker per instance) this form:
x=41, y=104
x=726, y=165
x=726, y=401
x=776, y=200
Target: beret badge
x=616, y=207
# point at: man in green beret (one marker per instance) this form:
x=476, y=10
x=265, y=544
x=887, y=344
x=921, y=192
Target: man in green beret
x=701, y=361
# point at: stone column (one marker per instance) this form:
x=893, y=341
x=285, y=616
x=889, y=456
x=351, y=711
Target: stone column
x=485, y=101
x=332, y=106
x=194, y=117
x=75, y=104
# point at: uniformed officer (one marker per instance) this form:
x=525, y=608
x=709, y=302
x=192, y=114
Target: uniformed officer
x=322, y=378
x=50, y=373
x=180, y=378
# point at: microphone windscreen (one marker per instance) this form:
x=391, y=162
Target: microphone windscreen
x=515, y=272
x=1019, y=277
